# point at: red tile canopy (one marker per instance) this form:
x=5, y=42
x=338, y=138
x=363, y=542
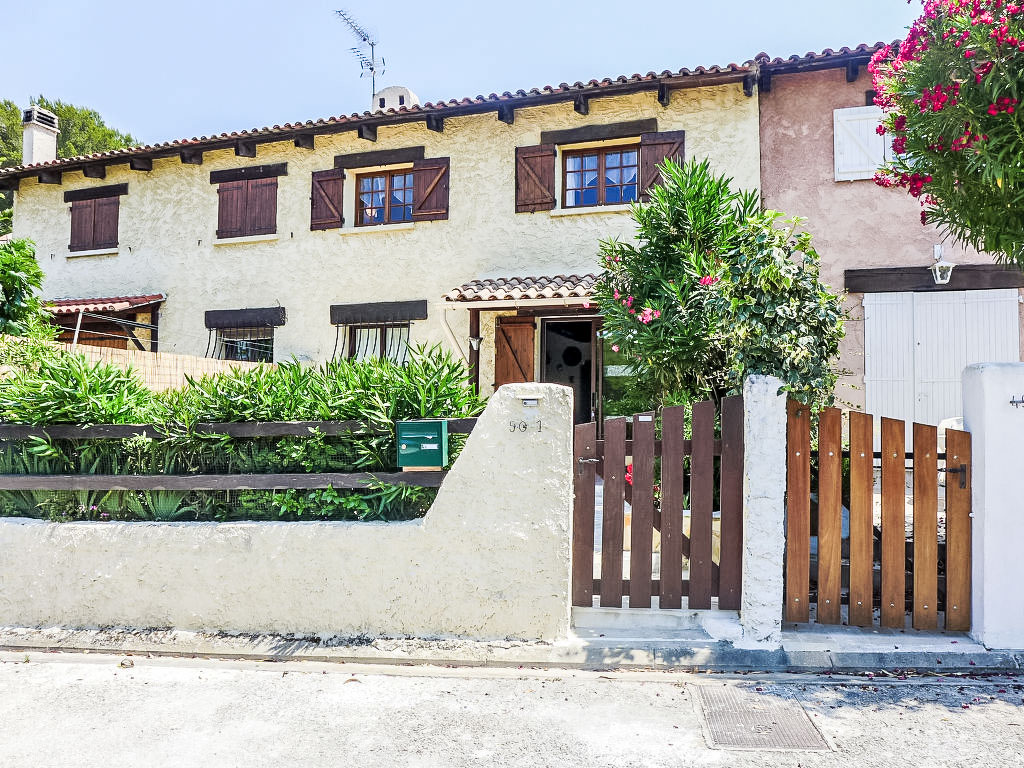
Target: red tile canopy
x=104, y=305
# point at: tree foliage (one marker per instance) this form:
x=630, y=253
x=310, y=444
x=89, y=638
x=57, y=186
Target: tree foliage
x=951, y=94
x=713, y=290
x=20, y=281
x=82, y=132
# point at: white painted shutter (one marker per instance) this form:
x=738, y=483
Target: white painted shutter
x=940, y=354
x=993, y=323
x=859, y=150
x=889, y=355
x=916, y=346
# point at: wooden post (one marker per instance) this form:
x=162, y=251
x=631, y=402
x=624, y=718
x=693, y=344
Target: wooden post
x=474, y=348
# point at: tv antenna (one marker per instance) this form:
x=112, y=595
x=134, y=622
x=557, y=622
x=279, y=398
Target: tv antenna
x=367, y=63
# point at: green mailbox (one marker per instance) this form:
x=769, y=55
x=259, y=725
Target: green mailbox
x=422, y=444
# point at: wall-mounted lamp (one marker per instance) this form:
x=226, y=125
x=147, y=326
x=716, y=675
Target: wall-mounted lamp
x=474, y=342
x=941, y=270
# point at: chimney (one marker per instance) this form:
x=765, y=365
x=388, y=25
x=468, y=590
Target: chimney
x=394, y=97
x=39, y=136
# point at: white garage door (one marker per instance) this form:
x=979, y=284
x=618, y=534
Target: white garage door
x=916, y=346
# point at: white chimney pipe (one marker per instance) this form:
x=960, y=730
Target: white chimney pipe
x=38, y=136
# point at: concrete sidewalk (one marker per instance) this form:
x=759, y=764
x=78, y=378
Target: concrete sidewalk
x=835, y=649
x=97, y=710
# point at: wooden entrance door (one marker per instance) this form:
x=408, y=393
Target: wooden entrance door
x=513, y=350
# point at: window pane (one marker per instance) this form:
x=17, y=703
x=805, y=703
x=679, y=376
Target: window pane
x=613, y=176
x=589, y=196
x=611, y=195
x=252, y=345
x=396, y=343
x=629, y=193
x=590, y=162
x=573, y=179
x=590, y=179
x=365, y=184
x=629, y=175
x=379, y=183
x=572, y=163
x=366, y=343
x=629, y=158
x=613, y=159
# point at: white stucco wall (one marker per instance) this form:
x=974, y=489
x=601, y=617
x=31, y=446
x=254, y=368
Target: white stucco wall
x=168, y=221
x=997, y=487
x=490, y=559
x=764, y=512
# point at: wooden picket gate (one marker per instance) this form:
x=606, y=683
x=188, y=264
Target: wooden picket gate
x=678, y=502
x=883, y=562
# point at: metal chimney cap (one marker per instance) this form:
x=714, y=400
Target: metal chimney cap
x=39, y=116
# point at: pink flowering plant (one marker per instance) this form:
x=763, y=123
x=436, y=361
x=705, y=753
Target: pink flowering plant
x=951, y=92
x=712, y=290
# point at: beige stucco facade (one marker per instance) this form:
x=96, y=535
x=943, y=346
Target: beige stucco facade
x=168, y=222
x=856, y=224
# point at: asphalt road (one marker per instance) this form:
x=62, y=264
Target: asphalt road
x=88, y=710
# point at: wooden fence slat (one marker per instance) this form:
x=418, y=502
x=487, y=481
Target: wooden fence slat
x=798, y=511
x=265, y=482
x=612, y=522
x=584, y=475
x=830, y=515
x=702, y=492
x=731, y=496
x=958, y=532
x=894, y=523
x=672, y=430
x=642, y=517
x=926, y=535
x=862, y=557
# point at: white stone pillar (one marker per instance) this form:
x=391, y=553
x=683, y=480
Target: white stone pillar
x=764, y=512
x=997, y=535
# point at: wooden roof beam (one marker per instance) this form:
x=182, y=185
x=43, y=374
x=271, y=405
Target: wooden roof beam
x=141, y=163
x=191, y=156
x=435, y=123
x=506, y=113
x=368, y=132
x=245, y=148
x=305, y=141
x=98, y=171
x=51, y=177
x=581, y=104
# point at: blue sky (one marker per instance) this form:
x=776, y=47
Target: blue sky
x=192, y=67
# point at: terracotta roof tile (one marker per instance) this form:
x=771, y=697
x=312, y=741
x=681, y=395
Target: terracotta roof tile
x=381, y=116
x=828, y=55
x=103, y=305
x=521, y=288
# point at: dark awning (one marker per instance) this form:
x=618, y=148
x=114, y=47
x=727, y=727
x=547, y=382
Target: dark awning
x=260, y=317
x=378, y=313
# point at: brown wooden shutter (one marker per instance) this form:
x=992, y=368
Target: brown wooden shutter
x=655, y=148
x=513, y=350
x=82, y=218
x=430, y=189
x=326, y=200
x=261, y=207
x=535, y=178
x=231, y=209
x=104, y=228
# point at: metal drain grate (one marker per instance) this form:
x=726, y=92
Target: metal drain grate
x=738, y=717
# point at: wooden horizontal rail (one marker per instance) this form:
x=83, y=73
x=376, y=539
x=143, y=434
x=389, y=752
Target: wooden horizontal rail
x=337, y=480
x=231, y=429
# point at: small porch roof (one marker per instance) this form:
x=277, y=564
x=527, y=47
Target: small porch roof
x=540, y=289
x=103, y=305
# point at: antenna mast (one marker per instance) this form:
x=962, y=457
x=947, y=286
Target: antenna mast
x=368, y=64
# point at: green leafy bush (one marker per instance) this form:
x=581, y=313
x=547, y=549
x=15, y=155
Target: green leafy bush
x=69, y=390
x=712, y=291
x=20, y=282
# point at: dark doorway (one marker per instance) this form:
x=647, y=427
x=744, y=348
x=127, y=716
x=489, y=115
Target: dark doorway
x=568, y=359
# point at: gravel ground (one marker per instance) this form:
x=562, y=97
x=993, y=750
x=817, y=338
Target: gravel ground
x=89, y=710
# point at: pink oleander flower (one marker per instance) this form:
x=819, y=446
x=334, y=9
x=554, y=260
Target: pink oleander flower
x=615, y=294
x=586, y=305
x=709, y=280
x=646, y=316
x=615, y=347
